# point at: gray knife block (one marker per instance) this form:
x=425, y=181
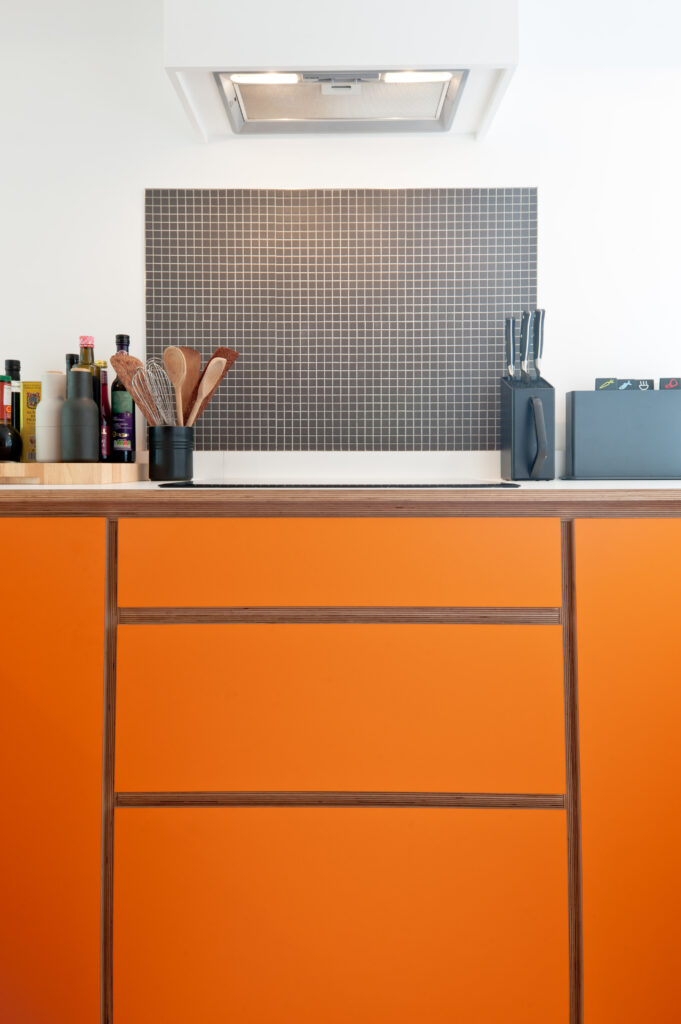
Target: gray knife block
x=528, y=429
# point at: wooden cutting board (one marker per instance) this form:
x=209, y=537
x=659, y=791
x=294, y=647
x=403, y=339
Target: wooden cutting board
x=75, y=472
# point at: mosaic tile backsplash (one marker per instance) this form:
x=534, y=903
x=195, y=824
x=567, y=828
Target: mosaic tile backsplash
x=366, y=319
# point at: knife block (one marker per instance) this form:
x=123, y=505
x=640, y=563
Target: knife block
x=528, y=429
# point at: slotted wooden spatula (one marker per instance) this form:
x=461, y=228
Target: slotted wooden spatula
x=212, y=376
x=229, y=355
x=192, y=360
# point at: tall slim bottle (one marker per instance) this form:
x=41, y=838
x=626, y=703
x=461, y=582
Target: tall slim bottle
x=13, y=370
x=87, y=358
x=104, y=414
x=122, y=414
x=10, y=439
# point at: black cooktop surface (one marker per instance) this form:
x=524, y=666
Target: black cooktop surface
x=336, y=487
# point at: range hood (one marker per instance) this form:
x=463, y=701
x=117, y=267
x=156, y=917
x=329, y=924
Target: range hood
x=357, y=66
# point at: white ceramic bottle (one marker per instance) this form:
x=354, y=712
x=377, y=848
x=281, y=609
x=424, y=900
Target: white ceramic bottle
x=48, y=417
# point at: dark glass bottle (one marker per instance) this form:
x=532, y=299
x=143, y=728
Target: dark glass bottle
x=104, y=413
x=13, y=371
x=71, y=361
x=10, y=439
x=122, y=414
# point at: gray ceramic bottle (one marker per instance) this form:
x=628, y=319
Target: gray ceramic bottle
x=79, y=419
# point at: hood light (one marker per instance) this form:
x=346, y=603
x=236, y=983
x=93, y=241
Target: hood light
x=266, y=78
x=416, y=76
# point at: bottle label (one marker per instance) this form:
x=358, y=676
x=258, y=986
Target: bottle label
x=122, y=421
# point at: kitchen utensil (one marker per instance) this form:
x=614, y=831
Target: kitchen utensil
x=509, y=339
x=212, y=376
x=125, y=366
x=525, y=340
x=79, y=419
x=153, y=392
x=175, y=363
x=229, y=355
x=192, y=359
x=538, y=332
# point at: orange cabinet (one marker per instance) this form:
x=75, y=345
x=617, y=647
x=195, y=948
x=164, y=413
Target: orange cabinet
x=326, y=561
x=302, y=916
x=468, y=708
x=52, y=615
x=628, y=603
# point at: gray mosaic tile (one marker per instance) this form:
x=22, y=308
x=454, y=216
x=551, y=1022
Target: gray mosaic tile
x=367, y=320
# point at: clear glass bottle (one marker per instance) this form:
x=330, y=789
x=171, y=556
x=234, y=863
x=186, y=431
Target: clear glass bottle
x=104, y=413
x=87, y=358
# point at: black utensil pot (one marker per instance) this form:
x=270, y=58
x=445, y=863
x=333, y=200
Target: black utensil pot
x=528, y=429
x=171, y=453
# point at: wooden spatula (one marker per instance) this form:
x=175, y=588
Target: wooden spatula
x=192, y=360
x=229, y=355
x=212, y=376
x=125, y=366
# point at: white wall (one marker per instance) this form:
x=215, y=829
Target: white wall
x=89, y=119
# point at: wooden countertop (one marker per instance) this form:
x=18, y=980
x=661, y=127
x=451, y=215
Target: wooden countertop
x=144, y=500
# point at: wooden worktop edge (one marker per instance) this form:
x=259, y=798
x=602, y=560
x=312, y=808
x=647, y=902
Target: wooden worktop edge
x=355, y=503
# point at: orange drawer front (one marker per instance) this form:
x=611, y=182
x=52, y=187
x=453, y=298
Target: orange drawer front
x=51, y=618
x=227, y=562
x=370, y=707
x=303, y=916
x=630, y=722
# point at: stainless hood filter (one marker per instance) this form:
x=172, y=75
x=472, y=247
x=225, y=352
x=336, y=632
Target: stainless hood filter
x=354, y=101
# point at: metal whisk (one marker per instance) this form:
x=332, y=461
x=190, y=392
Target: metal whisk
x=154, y=394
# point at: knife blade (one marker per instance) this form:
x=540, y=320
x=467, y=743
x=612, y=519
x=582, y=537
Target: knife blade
x=525, y=337
x=539, y=316
x=509, y=339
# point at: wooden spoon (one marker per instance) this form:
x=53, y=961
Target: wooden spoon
x=211, y=378
x=176, y=368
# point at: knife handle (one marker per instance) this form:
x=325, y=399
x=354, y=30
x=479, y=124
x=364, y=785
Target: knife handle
x=539, y=315
x=525, y=335
x=509, y=341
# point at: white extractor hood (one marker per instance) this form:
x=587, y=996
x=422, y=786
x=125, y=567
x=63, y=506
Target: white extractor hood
x=360, y=65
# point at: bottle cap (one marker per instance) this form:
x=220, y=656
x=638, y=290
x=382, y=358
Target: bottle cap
x=86, y=341
x=5, y=380
x=12, y=367
x=102, y=363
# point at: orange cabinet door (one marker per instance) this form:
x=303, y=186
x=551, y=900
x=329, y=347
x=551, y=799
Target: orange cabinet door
x=629, y=601
x=330, y=561
x=458, y=708
x=52, y=616
x=310, y=915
